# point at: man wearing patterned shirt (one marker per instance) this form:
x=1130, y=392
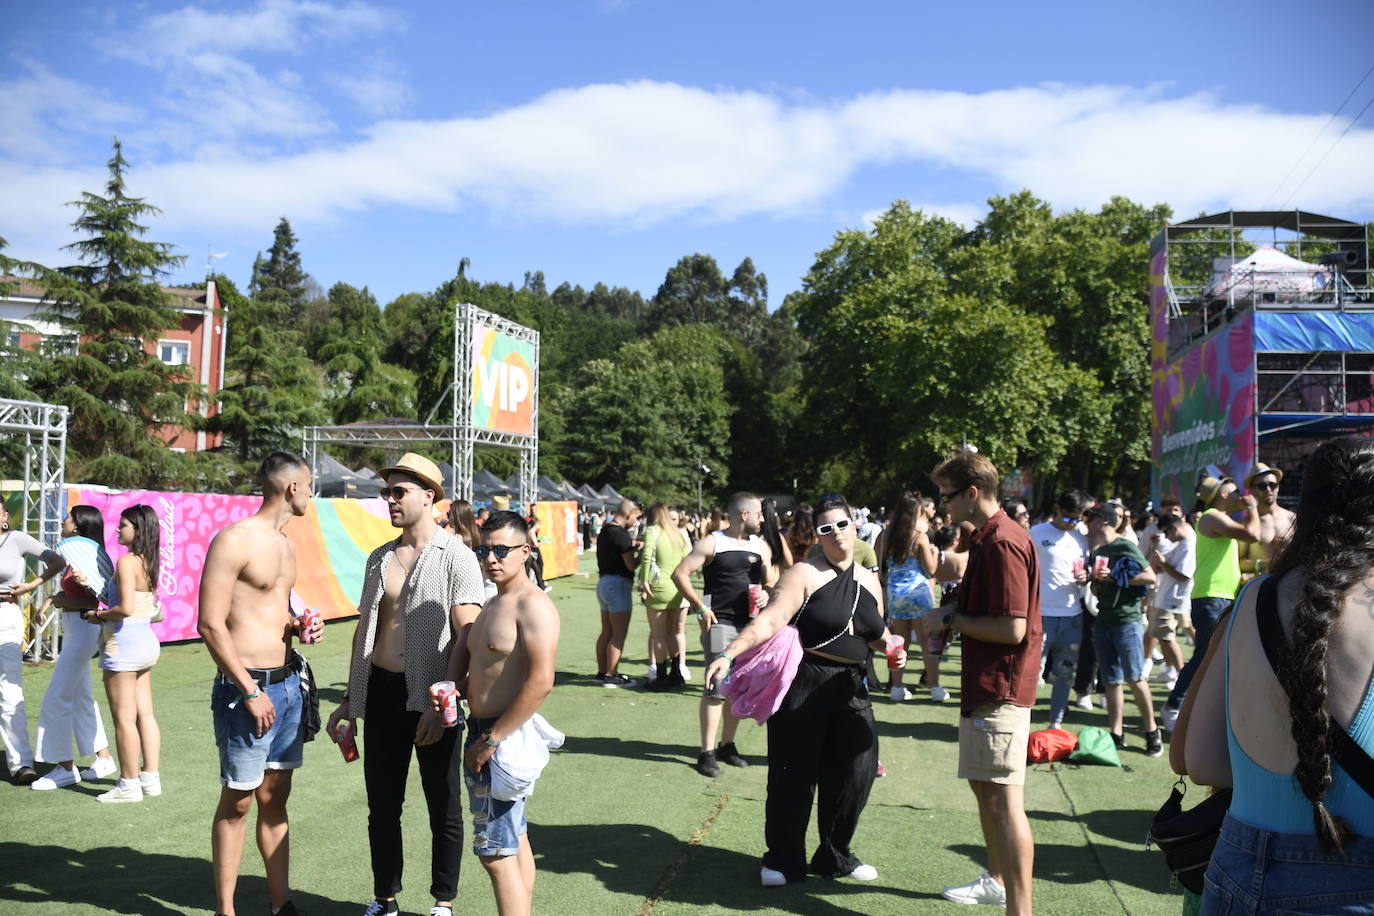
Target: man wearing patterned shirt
x=421, y=593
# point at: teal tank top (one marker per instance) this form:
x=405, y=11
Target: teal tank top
x=1273, y=801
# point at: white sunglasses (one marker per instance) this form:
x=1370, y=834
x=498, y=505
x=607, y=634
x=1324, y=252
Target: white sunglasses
x=831, y=527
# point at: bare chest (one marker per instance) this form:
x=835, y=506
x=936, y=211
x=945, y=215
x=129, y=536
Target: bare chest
x=271, y=569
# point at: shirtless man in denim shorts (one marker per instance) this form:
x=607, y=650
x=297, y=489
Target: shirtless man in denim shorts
x=246, y=622
x=511, y=649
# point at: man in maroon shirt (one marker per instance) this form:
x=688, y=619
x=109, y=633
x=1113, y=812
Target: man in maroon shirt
x=997, y=615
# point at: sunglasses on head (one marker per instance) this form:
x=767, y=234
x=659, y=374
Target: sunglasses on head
x=831, y=527
x=501, y=550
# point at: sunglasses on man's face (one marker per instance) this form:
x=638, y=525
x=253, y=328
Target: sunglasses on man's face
x=396, y=494
x=501, y=550
x=1266, y=485
x=832, y=527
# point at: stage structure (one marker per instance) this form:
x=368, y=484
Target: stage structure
x=1262, y=344
x=495, y=401
x=42, y=503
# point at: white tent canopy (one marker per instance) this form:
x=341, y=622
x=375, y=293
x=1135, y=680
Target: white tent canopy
x=1268, y=271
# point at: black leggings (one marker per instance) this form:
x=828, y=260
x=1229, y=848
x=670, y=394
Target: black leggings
x=823, y=738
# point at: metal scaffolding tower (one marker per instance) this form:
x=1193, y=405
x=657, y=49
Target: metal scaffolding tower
x=44, y=427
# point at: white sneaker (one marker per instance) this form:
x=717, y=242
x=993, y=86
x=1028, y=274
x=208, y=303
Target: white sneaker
x=1156, y=655
x=980, y=890
x=1170, y=717
x=103, y=766
x=1084, y=702
x=771, y=878
x=863, y=873
x=58, y=778
x=438, y=910
x=124, y=791
x=151, y=783
x=899, y=694
x=939, y=694
x=652, y=675
x=686, y=673
x=1148, y=667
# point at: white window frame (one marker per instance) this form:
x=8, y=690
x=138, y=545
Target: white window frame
x=185, y=345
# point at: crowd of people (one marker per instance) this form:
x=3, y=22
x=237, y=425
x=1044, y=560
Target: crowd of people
x=1086, y=598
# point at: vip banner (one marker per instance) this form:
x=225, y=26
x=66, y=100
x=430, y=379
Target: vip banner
x=502, y=382
x=331, y=543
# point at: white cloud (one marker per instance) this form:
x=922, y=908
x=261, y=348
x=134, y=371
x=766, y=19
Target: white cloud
x=378, y=89
x=274, y=25
x=648, y=152
x=38, y=106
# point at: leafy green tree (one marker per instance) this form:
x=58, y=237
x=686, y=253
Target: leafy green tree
x=361, y=386
x=121, y=395
x=646, y=419
x=901, y=371
x=271, y=388
x=15, y=362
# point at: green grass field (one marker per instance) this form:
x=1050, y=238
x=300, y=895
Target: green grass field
x=620, y=823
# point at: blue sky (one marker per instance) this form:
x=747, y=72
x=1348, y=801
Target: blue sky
x=598, y=140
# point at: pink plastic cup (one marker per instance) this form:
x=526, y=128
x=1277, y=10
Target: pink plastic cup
x=895, y=644
x=1100, y=565
x=755, y=591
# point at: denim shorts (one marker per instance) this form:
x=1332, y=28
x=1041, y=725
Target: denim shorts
x=1120, y=652
x=243, y=755
x=615, y=594
x=1261, y=871
x=496, y=825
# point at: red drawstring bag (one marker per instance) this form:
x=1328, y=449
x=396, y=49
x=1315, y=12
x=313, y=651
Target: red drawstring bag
x=1050, y=745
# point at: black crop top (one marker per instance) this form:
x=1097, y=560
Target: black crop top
x=827, y=611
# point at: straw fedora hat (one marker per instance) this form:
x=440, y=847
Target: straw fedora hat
x=421, y=468
x=1260, y=470
x=1209, y=487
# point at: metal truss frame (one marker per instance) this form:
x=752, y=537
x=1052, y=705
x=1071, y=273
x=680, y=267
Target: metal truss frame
x=459, y=433
x=44, y=427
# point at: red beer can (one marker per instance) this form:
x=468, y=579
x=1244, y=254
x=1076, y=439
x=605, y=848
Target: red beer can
x=309, y=618
x=348, y=745
x=446, y=693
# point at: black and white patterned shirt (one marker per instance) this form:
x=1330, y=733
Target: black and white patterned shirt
x=446, y=574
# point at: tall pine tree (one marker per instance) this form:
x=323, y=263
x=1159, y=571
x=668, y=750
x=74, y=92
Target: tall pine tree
x=122, y=397
x=271, y=388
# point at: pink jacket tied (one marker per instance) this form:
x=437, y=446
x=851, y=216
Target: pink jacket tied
x=761, y=676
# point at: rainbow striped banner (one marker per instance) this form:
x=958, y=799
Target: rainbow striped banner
x=332, y=542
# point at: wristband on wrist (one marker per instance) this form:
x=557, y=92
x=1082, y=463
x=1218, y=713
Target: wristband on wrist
x=728, y=660
x=257, y=691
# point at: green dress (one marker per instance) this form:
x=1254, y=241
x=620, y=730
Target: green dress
x=658, y=559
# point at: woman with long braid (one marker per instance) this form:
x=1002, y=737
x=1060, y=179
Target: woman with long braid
x=1300, y=833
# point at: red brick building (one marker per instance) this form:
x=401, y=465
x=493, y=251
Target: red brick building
x=195, y=337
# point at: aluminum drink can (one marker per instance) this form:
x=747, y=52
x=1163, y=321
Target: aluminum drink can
x=348, y=745
x=446, y=692
x=754, y=592
x=309, y=617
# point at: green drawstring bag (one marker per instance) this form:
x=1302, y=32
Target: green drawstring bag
x=1095, y=745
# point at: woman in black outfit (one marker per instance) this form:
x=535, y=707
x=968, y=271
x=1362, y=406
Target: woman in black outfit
x=822, y=737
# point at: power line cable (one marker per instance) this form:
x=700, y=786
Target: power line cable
x=1299, y=160
x=1348, y=127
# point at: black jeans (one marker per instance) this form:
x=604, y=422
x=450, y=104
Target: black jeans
x=1086, y=679
x=388, y=739
x=822, y=737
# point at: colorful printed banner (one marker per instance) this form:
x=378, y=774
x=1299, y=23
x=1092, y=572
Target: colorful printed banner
x=557, y=537
x=331, y=541
x=502, y=382
x=1204, y=402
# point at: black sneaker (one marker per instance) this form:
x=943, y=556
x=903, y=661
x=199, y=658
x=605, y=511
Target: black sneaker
x=618, y=680
x=24, y=776
x=382, y=908
x=706, y=764
x=730, y=754
x=287, y=909
x=1120, y=741
x=1154, y=743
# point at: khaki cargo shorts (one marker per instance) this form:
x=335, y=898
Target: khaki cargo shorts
x=992, y=744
